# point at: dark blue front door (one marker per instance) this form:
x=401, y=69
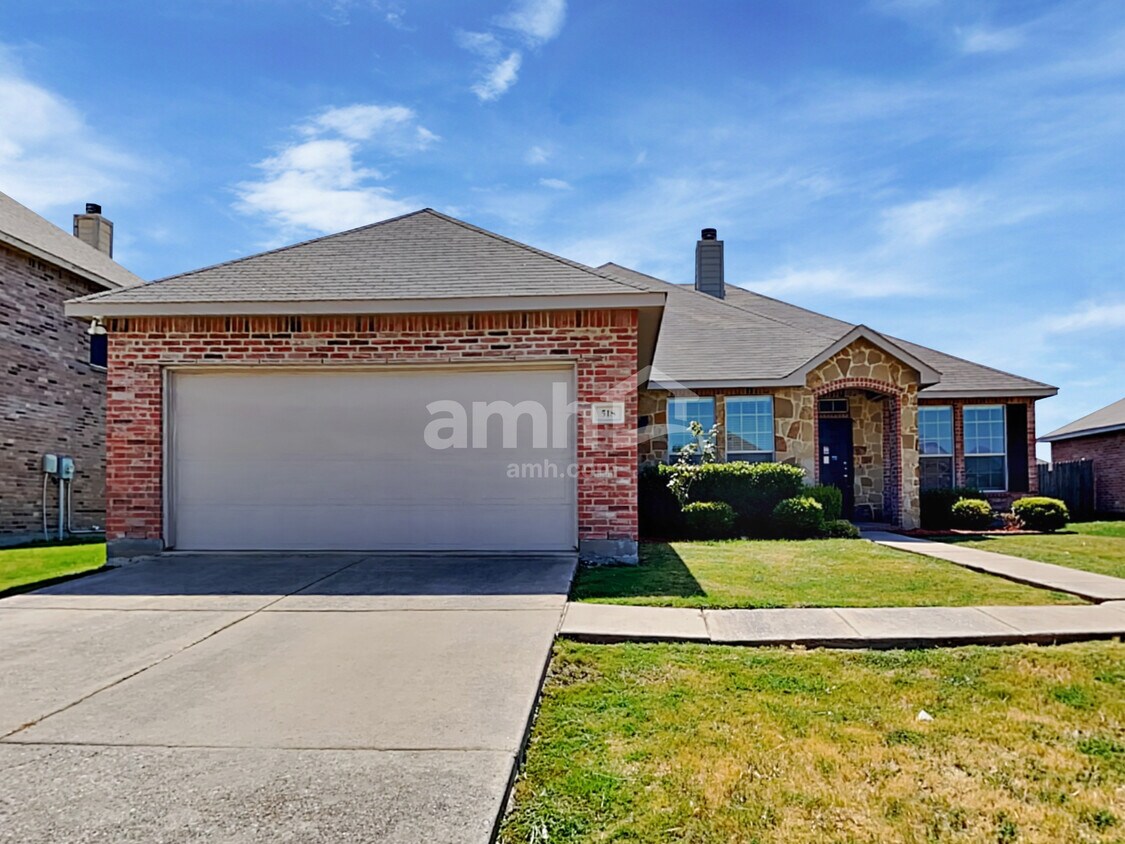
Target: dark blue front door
x=836, y=459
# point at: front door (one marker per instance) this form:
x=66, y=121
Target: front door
x=836, y=459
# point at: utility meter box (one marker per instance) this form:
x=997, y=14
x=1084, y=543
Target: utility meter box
x=66, y=468
x=50, y=464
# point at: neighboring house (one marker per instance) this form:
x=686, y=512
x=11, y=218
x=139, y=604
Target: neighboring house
x=52, y=385
x=1099, y=437
x=406, y=386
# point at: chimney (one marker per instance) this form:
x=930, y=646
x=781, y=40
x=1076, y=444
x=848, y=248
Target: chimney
x=709, y=265
x=94, y=229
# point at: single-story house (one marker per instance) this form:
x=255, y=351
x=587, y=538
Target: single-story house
x=52, y=384
x=1099, y=437
x=424, y=384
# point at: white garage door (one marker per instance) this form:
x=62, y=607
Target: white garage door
x=276, y=460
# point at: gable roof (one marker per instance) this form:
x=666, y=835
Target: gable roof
x=1109, y=418
x=420, y=261
x=22, y=228
x=748, y=339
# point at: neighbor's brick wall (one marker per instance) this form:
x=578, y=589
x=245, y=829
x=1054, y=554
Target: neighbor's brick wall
x=1108, y=453
x=602, y=344
x=51, y=399
x=999, y=500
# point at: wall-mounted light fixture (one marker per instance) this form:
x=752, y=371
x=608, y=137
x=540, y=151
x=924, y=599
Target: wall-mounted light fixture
x=96, y=326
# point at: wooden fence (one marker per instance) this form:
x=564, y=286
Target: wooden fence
x=1073, y=482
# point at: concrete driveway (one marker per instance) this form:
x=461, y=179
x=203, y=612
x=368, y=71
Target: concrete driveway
x=280, y=698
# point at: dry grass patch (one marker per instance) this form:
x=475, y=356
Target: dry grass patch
x=714, y=744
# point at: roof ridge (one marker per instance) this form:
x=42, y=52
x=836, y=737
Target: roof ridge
x=687, y=288
x=542, y=252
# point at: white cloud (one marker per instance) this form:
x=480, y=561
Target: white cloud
x=321, y=184
x=50, y=157
x=835, y=283
x=555, y=184
x=982, y=40
x=536, y=20
x=499, y=78
x=482, y=43
x=537, y=155
x=924, y=220
x=1089, y=316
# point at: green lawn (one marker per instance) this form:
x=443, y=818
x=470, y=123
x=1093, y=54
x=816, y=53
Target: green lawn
x=33, y=563
x=1091, y=546
x=702, y=744
x=813, y=573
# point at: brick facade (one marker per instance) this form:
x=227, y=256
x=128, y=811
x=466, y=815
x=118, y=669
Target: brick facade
x=999, y=500
x=51, y=399
x=601, y=343
x=1108, y=453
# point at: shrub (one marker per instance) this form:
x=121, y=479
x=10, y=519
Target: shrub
x=971, y=514
x=708, y=519
x=1038, y=513
x=753, y=490
x=840, y=529
x=657, y=508
x=830, y=498
x=937, y=506
x=798, y=518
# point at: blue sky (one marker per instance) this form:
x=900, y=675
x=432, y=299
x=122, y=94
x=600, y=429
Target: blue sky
x=949, y=172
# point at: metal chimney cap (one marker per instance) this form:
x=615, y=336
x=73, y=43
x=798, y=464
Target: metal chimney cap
x=709, y=234
x=93, y=208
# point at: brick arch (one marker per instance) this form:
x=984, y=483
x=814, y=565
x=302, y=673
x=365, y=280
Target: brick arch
x=892, y=438
x=884, y=387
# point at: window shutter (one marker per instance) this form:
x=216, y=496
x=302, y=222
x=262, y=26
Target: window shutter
x=1017, y=447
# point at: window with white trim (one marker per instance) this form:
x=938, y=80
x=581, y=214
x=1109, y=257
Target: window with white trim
x=749, y=428
x=681, y=413
x=935, y=446
x=986, y=458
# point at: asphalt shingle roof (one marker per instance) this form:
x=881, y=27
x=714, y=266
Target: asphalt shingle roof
x=1109, y=418
x=423, y=255
x=25, y=230
x=750, y=336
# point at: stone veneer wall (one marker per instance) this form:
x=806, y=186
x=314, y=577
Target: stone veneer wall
x=863, y=366
x=601, y=343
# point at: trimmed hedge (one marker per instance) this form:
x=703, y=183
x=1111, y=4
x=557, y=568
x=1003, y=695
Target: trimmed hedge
x=840, y=529
x=752, y=490
x=937, y=506
x=972, y=514
x=798, y=518
x=830, y=498
x=708, y=520
x=658, y=510
x=1041, y=513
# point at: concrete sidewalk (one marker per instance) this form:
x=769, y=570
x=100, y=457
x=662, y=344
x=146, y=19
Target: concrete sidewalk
x=1084, y=584
x=879, y=627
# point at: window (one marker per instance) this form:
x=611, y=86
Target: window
x=986, y=460
x=827, y=406
x=749, y=427
x=99, y=352
x=681, y=413
x=935, y=445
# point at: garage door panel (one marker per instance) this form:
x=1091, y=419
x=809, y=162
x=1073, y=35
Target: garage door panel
x=302, y=460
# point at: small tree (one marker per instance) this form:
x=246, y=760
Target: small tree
x=706, y=446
